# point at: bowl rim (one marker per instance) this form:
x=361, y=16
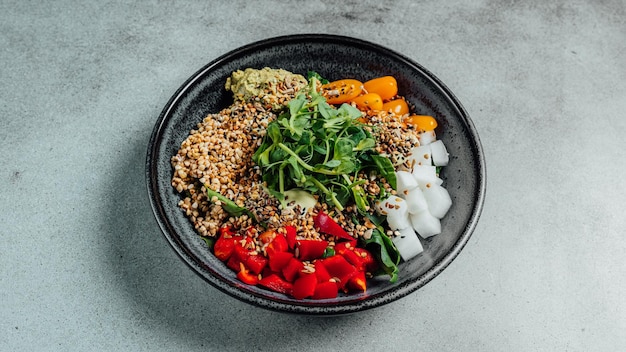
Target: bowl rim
x=350, y=306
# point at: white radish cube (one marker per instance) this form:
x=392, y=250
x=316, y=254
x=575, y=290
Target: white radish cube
x=439, y=153
x=426, y=174
x=438, y=200
x=420, y=156
x=415, y=200
x=392, y=205
x=404, y=182
x=427, y=137
x=425, y=224
x=407, y=243
x=398, y=221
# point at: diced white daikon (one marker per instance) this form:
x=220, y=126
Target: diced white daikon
x=398, y=221
x=439, y=153
x=438, y=200
x=427, y=137
x=393, y=204
x=420, y=156
x=415, y=200
x=407, y=243
x=425, y=224
x=397, y=212
x=404, y=182
x=426, y=174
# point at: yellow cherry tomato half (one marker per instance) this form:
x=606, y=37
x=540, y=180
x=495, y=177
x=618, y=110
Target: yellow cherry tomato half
x=385, y=86
x=422, y=122
x=368, y=102
x=341, y=91
x=398, y=107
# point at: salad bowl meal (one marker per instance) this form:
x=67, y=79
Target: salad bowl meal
x=315, y=174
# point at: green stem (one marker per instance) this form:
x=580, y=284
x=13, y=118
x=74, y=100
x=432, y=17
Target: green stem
x=304, y=164
x=281, y=179
x=319, y=185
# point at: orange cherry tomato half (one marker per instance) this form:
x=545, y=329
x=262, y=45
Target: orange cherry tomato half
x=368, y=102
x=398, y=107
x=385, y=86
x=422, y=122
x=341, y=91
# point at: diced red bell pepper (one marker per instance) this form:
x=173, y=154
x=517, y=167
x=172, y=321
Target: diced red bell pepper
x=311, y=249
x=321, y=272
x=267, y=236
x=369, y=262
x=233, y=263
x=338, y=267
x=292, y=269
x=224, y=247
x=353, y=258
x=290, y=235
x=304, y=286
x=226, y=230
x=278, y=244
x=327, y=225
x=246, y=276
x=342, y=247
x=256, y=263
x=277, y=284
x=241, y=253
x=278, y=260
x=357, y=282
x=325, y=290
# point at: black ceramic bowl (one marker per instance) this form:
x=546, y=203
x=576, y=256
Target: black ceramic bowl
x=333, y=57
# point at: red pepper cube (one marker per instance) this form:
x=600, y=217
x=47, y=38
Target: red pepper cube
x=369, y=262
x=256, y=263
x=304, y=286
x=233, y=263
x=292, y=269
x=291, y=234
x=276, y=284
x=278, y=244
x=224, y=247
x=321, y=272
x=327, y=225
x=245, y=276
x=241, y=253
x=267, y=236
x=311, y=249
x=226, y=230
x=278, y=260
x=325, y=290
x=353, y=258
x=357, y=282
x=339, y=268
x=342, y=247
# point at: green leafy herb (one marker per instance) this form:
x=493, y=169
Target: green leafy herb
x=313, y=74
x=210, y=241
x=328, y=252
x=321, y=149
x=385, y=252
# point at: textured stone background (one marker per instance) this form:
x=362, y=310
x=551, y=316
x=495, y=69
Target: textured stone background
x=84, y=267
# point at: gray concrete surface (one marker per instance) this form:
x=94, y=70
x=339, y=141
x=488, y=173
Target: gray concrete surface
x=84, y=267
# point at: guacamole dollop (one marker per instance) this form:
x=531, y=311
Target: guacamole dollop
x=253, y=84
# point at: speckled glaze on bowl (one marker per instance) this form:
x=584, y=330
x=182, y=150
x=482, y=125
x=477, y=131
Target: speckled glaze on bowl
x=333, y=57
